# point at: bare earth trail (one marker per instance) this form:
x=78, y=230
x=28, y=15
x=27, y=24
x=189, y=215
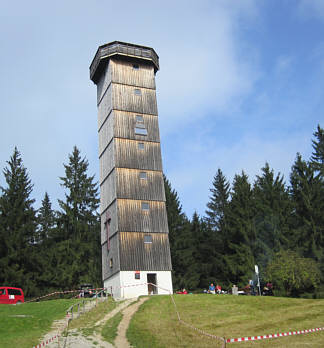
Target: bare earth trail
x=76, y=339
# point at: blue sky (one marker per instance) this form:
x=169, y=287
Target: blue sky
x=241, y=83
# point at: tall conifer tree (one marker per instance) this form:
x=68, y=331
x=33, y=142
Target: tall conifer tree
x=272, y=214
x=79, y=225
x=18, y=226
x=241, y=232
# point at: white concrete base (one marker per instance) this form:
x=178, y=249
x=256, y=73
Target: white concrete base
x=124, y=285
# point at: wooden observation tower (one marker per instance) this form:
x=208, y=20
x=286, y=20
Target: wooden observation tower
x=134, y=226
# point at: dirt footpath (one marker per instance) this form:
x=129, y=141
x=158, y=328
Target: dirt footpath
x=76, y=339
x=121, y=340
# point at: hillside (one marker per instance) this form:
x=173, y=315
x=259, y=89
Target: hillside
x=156, y=324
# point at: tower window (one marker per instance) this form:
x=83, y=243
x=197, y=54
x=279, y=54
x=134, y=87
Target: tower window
x=145, y=206
x=135, y=66
x=143, y=175
x=141, y=146
x=140, y=131
x=111, y=263
x=137, y=91
x=139, y=119
x=148, y=239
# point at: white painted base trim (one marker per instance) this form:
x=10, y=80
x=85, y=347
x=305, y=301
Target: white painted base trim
x=124, y=284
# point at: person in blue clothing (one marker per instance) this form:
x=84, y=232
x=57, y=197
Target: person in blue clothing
x=212, y=288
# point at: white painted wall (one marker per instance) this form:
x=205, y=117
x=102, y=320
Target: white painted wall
x=124, y=284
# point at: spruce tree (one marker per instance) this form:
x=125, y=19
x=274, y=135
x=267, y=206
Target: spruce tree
x=179, y=237
x=217, y=209
x=18, y=227
x=317, y=158
x=307, y=220
x=46, y=220
x=272, y=214
x=240, y=232
x=79, y=251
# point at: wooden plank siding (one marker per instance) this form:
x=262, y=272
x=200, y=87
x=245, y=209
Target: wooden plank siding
x=125, y=99
x=107, y=161
x=128, y=155
x=103, y=82
x=105, y=106
x=137, y=255
x=125, y=79
x=106, y=132
x=113, y=254
x=108, y=192
x=121, y=124
x=129, y=185
x=125, y=126
x=113, y=226
x=131, y=217
x=123, y=72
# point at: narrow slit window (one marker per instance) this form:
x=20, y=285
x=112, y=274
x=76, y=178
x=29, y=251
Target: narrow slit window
x=141, y=146
x=137, y=91
x=139, y=119
x=111, y=263
x=135, y=66
x=143, y=175
x=148, y=239
x=140, y=131
x=145, y=206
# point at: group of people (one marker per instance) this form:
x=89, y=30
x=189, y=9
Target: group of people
x=214, y=289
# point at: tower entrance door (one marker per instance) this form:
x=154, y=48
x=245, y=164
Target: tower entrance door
x=151, y=279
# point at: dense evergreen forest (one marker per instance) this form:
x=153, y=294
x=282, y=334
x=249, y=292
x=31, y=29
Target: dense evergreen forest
x=277, y=225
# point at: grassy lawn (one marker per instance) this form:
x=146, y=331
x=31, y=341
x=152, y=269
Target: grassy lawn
x=109, y=331
x=23, y=325
x=156, y=325
x=86, y=322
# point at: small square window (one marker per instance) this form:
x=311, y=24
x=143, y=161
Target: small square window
x=148, y=239
x=141, y=146
x=145, y=206
x=137, y=91
x=140, y=131
x=135, y=66
x=143, y=175
x=137, y=275
x=139, y=119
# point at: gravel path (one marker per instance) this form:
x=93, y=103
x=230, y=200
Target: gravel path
x=121, y=340
x=76, y=339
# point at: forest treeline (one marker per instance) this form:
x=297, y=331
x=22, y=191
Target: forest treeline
x=276, y=225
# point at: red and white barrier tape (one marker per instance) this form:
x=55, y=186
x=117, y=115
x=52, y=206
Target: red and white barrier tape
x=61, y=292
x=283, y=334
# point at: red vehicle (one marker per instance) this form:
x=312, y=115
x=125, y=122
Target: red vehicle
x=9, y=295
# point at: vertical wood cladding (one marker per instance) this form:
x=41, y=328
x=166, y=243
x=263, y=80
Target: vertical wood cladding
x=110, y=259
x=132, y=218
x=108, y=191
x=106, y=133
x=107, y=161
x=123, y=72
x=131, y=186
x=105, y=106
x=124, y=98
x=137, y=255
x=125, y=123
x=113, y=226
x=128, y=155
x=131, y=181
x=103, y=82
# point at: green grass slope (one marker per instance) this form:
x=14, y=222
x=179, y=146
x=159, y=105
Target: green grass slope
x=156, y=324
x=23, y=325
